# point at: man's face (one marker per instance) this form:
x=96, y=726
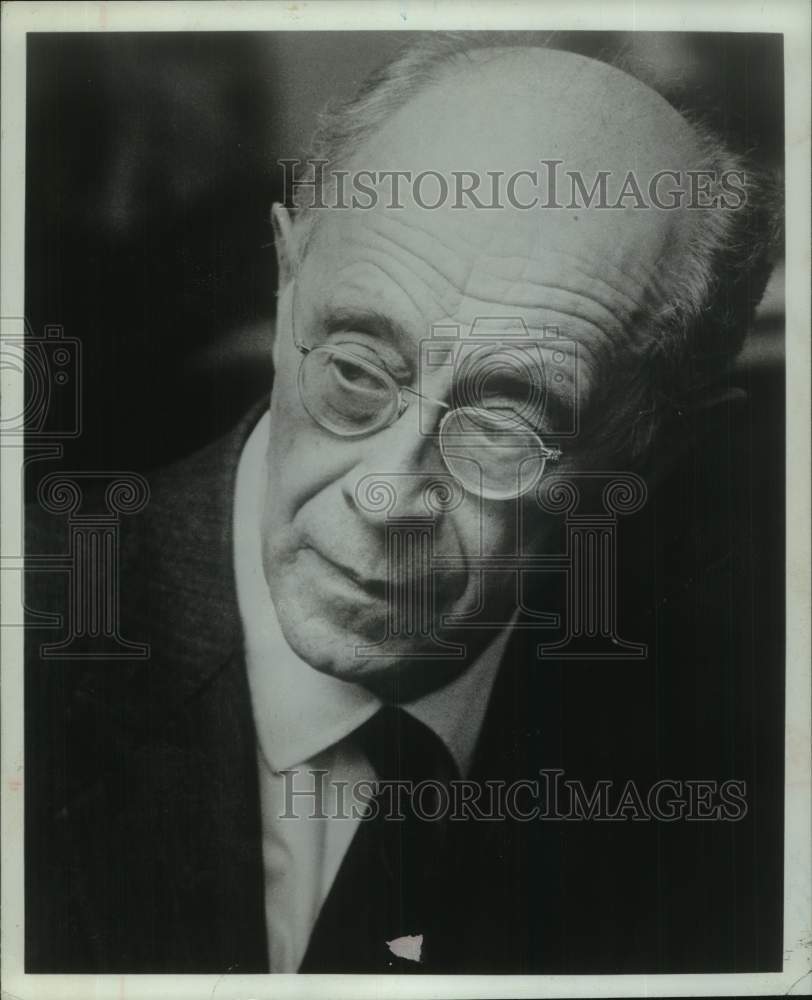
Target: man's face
x=376, y=283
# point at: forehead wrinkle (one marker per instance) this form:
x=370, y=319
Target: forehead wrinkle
x=638, y=283
x=555, y=310
x=601, y=315
x=553, y=267
x=589, y=338
x=445, y=296
x=373, y=251
x=374, y=264
x=550, y=310
x=632, y=264
x=608, y=298
x=411, y=246
x=582, y=303
x=450, y=276
x=634, y=281
x=368, y=254
x=564, y=302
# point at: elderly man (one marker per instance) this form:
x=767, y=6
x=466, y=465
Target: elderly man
x=194, y=817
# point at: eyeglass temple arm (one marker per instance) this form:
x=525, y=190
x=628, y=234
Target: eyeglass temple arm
x=428, y=399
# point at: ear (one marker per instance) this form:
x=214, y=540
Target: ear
x=284, y=241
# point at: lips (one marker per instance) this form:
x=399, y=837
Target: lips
x=374, y=585
x=371, y=584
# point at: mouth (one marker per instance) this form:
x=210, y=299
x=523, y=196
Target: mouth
x=374, y=586
x=371, y=585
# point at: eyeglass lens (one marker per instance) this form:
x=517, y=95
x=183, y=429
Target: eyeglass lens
x=492, y=454
x=345, y=394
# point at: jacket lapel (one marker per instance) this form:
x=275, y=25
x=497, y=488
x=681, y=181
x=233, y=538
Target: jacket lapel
x=168, y=826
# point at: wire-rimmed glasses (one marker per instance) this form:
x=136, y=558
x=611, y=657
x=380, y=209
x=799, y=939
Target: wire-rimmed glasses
x=492, y=453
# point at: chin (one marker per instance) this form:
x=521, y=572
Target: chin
x=406, y=671
x=339, y=629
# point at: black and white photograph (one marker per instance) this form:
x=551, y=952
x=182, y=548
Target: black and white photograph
x=405, y=446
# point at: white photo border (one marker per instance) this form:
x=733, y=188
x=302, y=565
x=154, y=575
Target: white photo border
x=789, y=17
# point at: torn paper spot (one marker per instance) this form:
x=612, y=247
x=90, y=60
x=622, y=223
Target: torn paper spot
x=409, y=946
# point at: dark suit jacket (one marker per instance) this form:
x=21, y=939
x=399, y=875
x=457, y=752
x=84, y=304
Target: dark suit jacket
x=143, y=848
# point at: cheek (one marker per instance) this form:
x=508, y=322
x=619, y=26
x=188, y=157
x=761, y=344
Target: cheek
x=484, y=529
x=298, y=466
x=509, y=528
x=302, y=458
x=301, y=465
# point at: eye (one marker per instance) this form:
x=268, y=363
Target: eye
x=347, y=392
x=355, y=375
x=510, y=397
x=500, y=389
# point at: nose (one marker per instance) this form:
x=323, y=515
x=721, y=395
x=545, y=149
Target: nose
x=401, y=474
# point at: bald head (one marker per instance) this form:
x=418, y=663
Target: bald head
x=563, y=133
x=505, y=105
x=522, y=164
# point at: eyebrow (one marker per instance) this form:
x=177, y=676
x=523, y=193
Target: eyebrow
x=403, y=348
x=366, y=320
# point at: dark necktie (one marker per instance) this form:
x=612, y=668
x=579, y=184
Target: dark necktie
x=388, y=883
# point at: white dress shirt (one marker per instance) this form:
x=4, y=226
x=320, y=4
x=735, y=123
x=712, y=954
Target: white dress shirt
x=303, y=718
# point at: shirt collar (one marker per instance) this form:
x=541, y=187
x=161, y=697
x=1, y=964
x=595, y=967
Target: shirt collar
x=299, y=711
